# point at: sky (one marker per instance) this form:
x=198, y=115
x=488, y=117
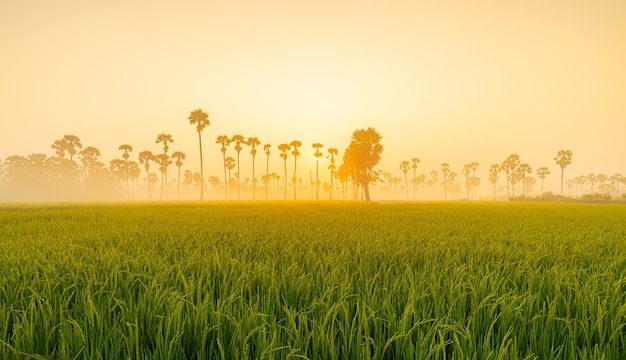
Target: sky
x=444, y=81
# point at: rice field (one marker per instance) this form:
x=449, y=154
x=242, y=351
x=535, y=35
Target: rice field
x=306, y=280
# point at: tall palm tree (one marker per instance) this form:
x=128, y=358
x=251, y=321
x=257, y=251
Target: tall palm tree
x=415, y=161
x=332, y=152
x=201, y=120
x=180, y=156
x=404, y=166
x=318, y=155
x=126, y=148
x=542, y=172
x=267, y=147
x=362, y=155
x=563, y=158
x=253, y=143
x=164, y=161
x=144, y=158
x=238, y=140
x=295, y=145
x=89, y=158
x=508, y=166
x=224, y=141
x=283, y=148
x=591, y=179
x=523, y=170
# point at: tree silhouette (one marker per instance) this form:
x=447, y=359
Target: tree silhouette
x=362, y=155
x=180, y=156
x=332, y=152
x=238, y=140
x=267, y=147
x=563, y=158
x=144, y=158
x=445, y=170
x=615, y=180
x=164, y=161
x=224, y=141
x=522, y=170
x=253, y=143
x=318, y=155
x=591, y=179
x=542, y=172
x=508, y=166
x=493, y=177
x=201, y=120
x=404, y=166
x=415, y=161
x=283, y=148
x=126, y=148
x=89, y=157
x=295, y=145
x=230, y=165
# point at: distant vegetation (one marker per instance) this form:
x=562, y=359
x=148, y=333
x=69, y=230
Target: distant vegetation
x=75, y=172
x=313, y=281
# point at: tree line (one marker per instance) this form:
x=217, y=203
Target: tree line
x=352, y=176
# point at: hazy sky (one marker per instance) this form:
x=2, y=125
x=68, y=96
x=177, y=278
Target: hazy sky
x=445, y=81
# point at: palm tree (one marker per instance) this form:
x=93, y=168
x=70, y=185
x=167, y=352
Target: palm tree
x=318, y=155
x=295, y=145
x=415, y=161
x=89, y=158
x=180, y=156
x=201, y=120
x=224, y=141
x=267, y=147
x=542, y=172
x=563, y=158
x=230, y=165
x=524, y=169
x=69, y=144
x=616, y=179
x=126, y=148
x=591, y=179
x=144, y=158
x=508, y=166
x=283, y=148
x=164, y=161
x=362, y=155
x=493, y=177
x=253, y=142
x=238, y=140
x=404, y=166
x=332, y=152
x=445, y=169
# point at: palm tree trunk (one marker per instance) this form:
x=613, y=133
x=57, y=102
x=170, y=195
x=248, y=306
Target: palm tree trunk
x=253, y=181
x=285, y=180
x=201, y=168
x=238, y=178
x=178, y=183
x=225, y=180
x=295, y=162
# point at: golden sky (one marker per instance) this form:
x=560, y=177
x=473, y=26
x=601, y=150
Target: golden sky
x=445, y=81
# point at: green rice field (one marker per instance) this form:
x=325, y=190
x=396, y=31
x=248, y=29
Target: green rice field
x=306, y=280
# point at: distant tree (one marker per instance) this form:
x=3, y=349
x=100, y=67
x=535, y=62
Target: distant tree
x=591, y=179
x=542, y=172
x=362, y=155
x=435, y=180
x=179, y=156
x=89, y=157
x=126, y=148
x=267, y=147
x=563, y=159
x=253, y=143
x=508, y=166
x=224, y=141
x=318, y=154
x=415, y=161
x=493, y=177
x=404, y=166
x=332, y=152
x=602, y=178
x=615, y=180
x=445, y=170
x=522, y=170
x=283, y=148
x=201, y=120
x=164, y=161
x=144, y=158
x=295, y=145
x=187, y=179
x=238, y=140
x=69, y=144
x=230, y=165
